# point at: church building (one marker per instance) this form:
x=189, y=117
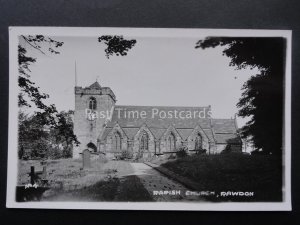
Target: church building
x=145, y=131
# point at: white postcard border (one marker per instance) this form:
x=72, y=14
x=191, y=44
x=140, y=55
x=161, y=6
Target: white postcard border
x=14, y=32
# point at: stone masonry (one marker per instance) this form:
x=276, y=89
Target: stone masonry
x=144, y=131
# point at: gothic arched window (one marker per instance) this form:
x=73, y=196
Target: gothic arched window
x=144, y=144
x=198, y=142
x=171, y=142
x=92, y=103
x=117, y=142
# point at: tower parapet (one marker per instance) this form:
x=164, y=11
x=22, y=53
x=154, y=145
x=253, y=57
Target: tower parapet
x=95, y=91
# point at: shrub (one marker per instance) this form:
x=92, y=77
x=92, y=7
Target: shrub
x=226, y=150
x=172, y=156
x=39, y=149
x=26, y=156
x=138, y=156
x=67, y=152
x=126, y=154
x=182, y=152
x=201, y=151
x=55, y=153
x=21, y=152
x=259, y=152
x=102, y=158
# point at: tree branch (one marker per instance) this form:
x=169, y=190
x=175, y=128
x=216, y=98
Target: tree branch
x=32, y=45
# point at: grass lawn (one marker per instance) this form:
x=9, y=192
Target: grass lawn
x=66, y=171
x=261, y=174
x=113, y=189
x=104, y=181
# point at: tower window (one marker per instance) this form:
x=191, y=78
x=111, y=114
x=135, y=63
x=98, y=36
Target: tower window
x=92, y=103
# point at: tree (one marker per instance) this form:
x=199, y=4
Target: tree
x=28, y=88
x=262, y=97
x=116, y=45
x=33, y=137
x=63, y=132
x=37, y=140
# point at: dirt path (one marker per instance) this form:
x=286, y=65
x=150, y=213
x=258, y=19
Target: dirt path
x=160, y=187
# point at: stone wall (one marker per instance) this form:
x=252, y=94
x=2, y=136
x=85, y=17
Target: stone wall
x=159, y=146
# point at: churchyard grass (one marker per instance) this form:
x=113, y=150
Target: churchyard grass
x=104, y=181
x=66, y=171
x=260, y=174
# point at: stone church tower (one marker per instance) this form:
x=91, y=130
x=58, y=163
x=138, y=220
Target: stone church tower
x=93, y=106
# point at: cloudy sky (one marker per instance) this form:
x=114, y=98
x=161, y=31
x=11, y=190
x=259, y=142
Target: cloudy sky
x=156, y=72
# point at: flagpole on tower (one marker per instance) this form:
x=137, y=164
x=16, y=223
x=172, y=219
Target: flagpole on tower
x=75, y=74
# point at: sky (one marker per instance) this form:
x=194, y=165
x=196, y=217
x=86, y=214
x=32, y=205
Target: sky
x=156, y=72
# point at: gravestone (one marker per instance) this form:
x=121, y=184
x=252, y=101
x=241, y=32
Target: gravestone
x=39, y=175
x=32, y=175
x=35, y=190
x=86, y=159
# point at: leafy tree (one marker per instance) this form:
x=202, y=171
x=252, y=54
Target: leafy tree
x=262, y=97
x=37, y=140
x=63, y=132
x=116, y=45
x=32, y=137
x=27, y=87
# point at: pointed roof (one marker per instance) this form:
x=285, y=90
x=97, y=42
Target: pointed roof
x=156, y=121
x=95, y=85
x=220, y=131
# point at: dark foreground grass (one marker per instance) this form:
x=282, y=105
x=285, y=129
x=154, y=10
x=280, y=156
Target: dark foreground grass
x=114, y=189
x=101, y=191
x=131, y=189
x=261, y=174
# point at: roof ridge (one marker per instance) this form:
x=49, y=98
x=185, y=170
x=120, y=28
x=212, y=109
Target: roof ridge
x=163, y=106
x=222, y=119
x=225, y=132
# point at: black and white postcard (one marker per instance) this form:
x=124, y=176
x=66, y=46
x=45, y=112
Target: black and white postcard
x=149, y=119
